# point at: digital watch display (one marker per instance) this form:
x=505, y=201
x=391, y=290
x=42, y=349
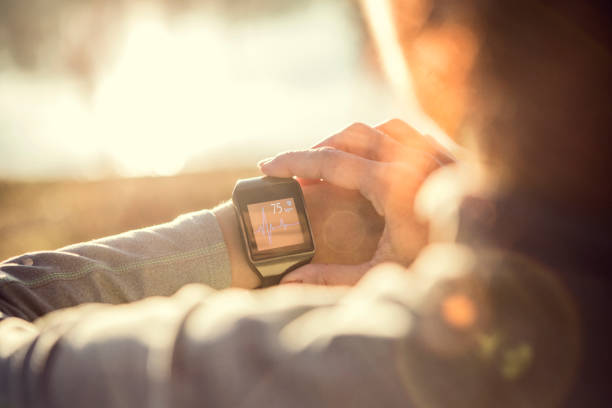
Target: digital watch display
x=274, y=224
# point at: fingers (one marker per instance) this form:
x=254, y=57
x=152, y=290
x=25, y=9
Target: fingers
x=403, y=133
x=329, y=275
x=364, y=141
x=413, y=141
x=334, y=166
x=393, y=140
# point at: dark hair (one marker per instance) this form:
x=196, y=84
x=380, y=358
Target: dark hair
x=542, y=77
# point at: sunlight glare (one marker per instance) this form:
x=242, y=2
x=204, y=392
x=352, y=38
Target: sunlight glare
x=194, y=92
x=149, y=105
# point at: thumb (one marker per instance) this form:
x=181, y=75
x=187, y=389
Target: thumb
x=326, y=274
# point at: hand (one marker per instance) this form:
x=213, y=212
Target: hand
x=387, y=165
x=345, y=226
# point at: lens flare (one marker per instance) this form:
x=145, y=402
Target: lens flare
x=499, y=331
x=459, y=311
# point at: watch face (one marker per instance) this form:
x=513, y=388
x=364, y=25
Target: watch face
x=275, y=224
x=274, y=220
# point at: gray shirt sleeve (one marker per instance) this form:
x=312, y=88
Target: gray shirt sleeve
x=155, y=261
x=286, y=346
x=384, y=343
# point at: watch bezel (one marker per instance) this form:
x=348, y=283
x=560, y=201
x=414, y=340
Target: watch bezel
x=264, y=189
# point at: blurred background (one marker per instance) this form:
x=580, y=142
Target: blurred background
x=117, y=114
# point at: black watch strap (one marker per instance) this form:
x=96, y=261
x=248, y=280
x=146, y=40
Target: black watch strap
x=267, y=281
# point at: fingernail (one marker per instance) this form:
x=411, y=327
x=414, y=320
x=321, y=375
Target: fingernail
x=263, y=162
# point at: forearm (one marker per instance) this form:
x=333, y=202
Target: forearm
x=201, y=247
x=152, y=261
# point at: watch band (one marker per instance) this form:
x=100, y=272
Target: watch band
x=267, y=281
x=270, y=280
x=274, y=279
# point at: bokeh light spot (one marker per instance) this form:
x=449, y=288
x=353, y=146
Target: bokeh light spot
x=516, y=361
x=459, y=311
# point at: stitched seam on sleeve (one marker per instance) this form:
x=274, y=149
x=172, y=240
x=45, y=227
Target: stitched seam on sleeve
x=193, y=254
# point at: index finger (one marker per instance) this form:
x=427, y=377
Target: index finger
x=332, y=165
x=403, y=133
x=413, y=140
x=365, y=141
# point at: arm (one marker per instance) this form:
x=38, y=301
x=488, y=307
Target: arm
x=117, y=269
x=394, y=339
x=201, y=247
x=287, y=346
x=391, y=341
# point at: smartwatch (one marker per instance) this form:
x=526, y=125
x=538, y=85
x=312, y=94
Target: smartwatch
x=275, y=228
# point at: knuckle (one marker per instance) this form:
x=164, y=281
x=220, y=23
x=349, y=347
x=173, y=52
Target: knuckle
x=328, y=153
x=280, y=157
x=287, y=154
x=383, y=176
x=327, y=159
x=382, y=173
x=396, y=122
x=358, y=127
x=324, y=149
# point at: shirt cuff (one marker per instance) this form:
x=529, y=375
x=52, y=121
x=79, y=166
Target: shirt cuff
x=204, y=227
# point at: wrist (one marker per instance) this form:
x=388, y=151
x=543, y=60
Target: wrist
x=242, y=274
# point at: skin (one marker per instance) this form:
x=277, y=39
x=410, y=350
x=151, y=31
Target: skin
x=387, y=165
x=440, y=57
x=440, y=61
x=345, y=226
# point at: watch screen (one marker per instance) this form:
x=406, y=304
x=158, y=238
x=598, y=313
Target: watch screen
x=275, y=224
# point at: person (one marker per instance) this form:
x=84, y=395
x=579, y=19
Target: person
x=505, y=306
